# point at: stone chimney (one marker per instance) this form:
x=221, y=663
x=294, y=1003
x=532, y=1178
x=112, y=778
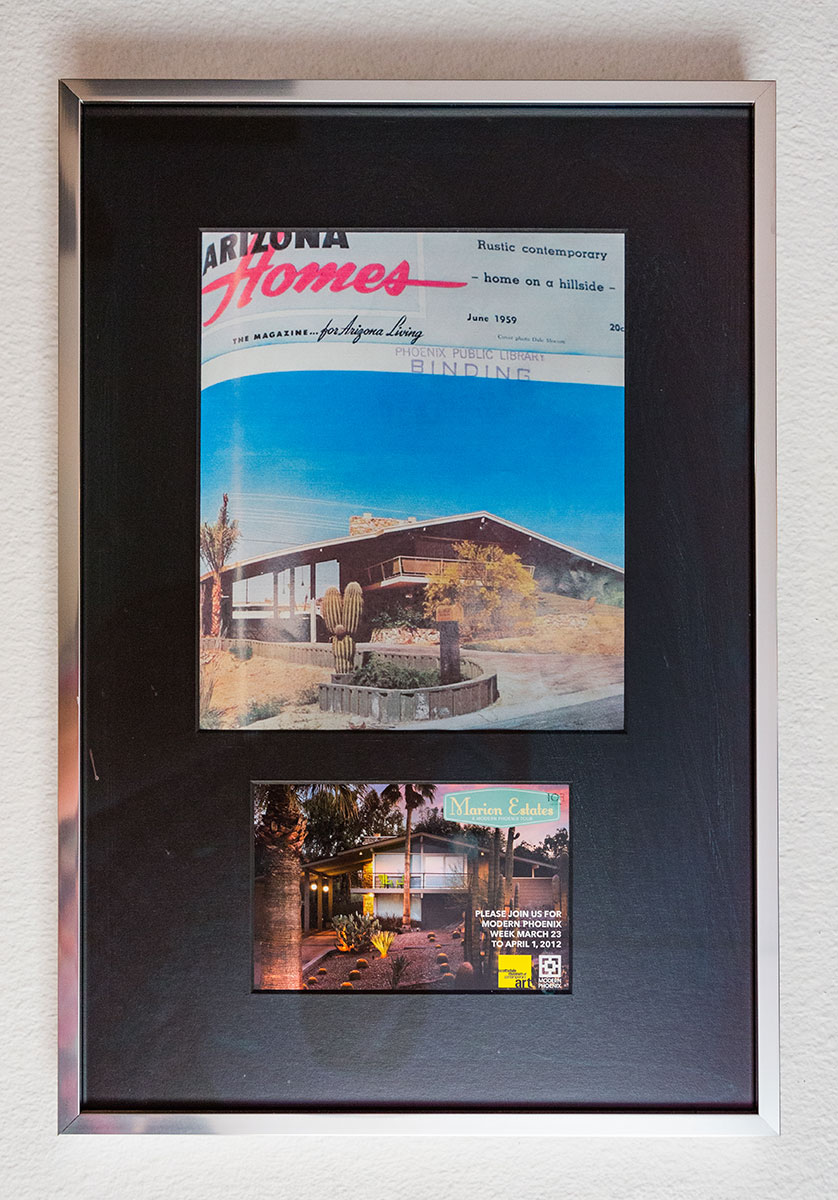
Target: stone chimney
x=358, y=526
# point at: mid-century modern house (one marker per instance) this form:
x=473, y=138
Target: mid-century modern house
x=383, y=554
x=439, y=874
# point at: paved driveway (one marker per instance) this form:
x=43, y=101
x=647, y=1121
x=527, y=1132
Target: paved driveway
x=558, y=691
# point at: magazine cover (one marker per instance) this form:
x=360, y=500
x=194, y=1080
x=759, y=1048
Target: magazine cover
x=411, y=887
x=412, y=480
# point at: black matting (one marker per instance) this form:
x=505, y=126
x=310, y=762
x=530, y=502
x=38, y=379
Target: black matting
x=662, y=1010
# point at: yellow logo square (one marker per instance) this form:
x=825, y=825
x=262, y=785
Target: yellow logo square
x=515, y=971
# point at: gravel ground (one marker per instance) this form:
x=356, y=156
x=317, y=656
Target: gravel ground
x=422, y=971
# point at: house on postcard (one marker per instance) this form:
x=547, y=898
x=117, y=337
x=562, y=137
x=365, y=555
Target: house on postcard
x=441, y=870
x=276, y=596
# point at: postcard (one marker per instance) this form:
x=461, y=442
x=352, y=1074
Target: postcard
x=411, y=480
x=411, y=887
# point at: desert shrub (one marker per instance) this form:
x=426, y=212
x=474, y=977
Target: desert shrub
x=383, y=941
x=362, y=963
x=378, y=673
x=394, y=924
x=390, y=612
x=243, y=652
x=448, y=978
x=321, y=971
x=354, y=974
x=354, y=932
x=465, y=975
x=347, y=984
x=309, y=694
x=260, y=710
x=496, y=591
x=442, y=957
x=398, y=964
x=312, y=979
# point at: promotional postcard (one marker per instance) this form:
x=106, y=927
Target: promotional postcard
x=411, y=887
x=412, y=480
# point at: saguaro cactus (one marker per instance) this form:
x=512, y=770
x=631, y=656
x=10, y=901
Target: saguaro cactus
x=342, y=615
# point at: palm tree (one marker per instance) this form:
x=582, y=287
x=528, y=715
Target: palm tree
x=415, y=795
x=216, y=543
x=280, y=830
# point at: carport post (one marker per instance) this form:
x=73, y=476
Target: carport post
x=306, y=902
x=312, y=612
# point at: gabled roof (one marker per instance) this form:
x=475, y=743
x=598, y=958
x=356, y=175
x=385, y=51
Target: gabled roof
x=310, y=549
x=358, y=855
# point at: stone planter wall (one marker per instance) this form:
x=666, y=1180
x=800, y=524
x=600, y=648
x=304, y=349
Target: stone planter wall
x=307, y=655
x=392, y=706
x=384, y=705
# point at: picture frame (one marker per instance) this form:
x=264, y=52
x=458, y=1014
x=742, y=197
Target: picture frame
x=672, y=1026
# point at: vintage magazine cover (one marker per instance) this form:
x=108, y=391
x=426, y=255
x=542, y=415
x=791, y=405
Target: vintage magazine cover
x=411, y=887
x=412, y=480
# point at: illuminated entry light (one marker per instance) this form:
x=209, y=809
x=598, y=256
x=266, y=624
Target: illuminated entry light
x=314, y=887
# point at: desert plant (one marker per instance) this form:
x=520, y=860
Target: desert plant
x=388, y=612
x=310, y=694
x=362, y=963
x=442, y=957
x=321, y=971
x=354, y=932
x=260, y=710
x=312, y=979
x=464, y=978
x=343, y=932
x=415, y=795
x=448, y=978
x=342, y=615
x=394, y=923
x=496, y=591
x=347, y=984
x=217, y=541
x=354, y=974
x=377, y=673
x=280, y=830
x=382, y=941
x=243, y=653
x=398, y=964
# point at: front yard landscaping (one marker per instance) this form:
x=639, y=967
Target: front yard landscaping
x=412, y=959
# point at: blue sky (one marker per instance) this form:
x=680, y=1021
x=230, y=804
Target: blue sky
x=300, y=452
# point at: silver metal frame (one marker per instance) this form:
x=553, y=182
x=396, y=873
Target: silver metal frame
x=760, y=96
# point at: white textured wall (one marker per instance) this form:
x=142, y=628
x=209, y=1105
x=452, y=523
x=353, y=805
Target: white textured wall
x=792, y=42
